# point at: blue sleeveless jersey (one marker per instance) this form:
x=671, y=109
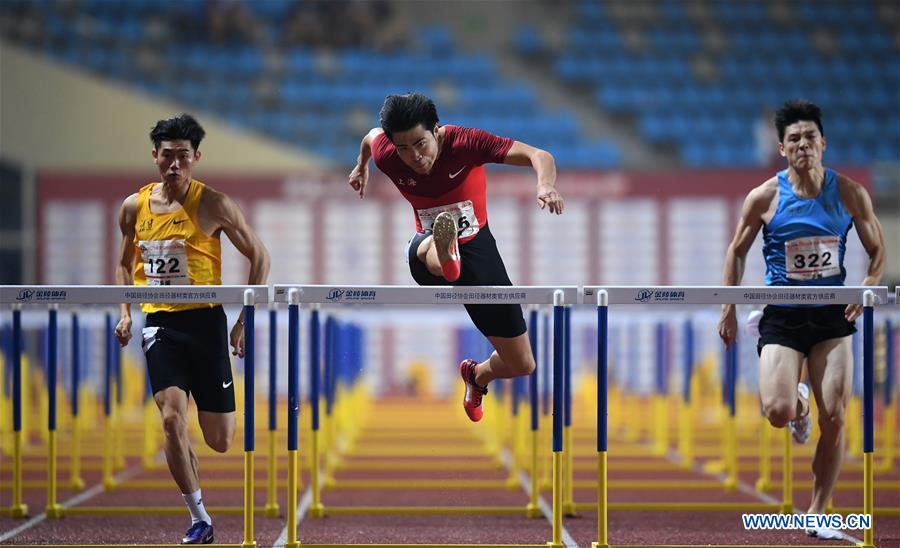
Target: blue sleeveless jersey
x=804, y=242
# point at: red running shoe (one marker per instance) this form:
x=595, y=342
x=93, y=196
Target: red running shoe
x=474, y=393
x=447, y=246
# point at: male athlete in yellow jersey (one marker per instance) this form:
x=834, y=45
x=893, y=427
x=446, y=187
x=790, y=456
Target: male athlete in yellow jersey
x=170, y=236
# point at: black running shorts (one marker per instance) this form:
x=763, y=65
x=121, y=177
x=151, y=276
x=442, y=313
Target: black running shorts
x=189, y=349
x=801, y=328
x=481, y=265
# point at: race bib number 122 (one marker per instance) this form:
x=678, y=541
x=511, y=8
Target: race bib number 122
x=812, y=258
x=165, y=262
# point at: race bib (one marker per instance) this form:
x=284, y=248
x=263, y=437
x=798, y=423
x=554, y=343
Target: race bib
x=812, y=258
x=165, y=262
x=463, y=214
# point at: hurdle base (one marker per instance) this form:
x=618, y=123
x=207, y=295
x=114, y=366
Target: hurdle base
x=532, y=510
x=251, y=544
x=18, y=511
x=569, y=510
x=317, y=510
x=730, y=485
x=291, y=545
x=109, y=484
x=714, y=467
x=598, y=545
x=786, y=509
x=763, y=484
x=554, y=545
x=76, y=484
x=272, y=510
x=54, y=511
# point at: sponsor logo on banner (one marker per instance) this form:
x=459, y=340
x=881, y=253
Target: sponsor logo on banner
x=46, y=295
x=348, y=295
x=659, y=296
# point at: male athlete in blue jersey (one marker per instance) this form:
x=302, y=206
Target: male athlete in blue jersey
x=805, y=213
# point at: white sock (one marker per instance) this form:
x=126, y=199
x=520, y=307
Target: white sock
x=195, y=504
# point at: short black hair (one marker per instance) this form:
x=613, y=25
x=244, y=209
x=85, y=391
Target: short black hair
x=795, y=111
x=404, y=112
x=183, y=126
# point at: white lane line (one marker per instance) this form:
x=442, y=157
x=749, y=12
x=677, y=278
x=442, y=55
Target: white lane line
x=74, y=501
x=302, y=508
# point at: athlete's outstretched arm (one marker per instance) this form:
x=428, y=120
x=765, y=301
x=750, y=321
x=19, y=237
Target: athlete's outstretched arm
x=124, y=274
x=755, y=206
x=226, y=214
x=859, y=205
x=359, y=177
x=544, y=166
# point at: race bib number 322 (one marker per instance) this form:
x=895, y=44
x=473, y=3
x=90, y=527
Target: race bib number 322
x=165, y=262
x=812, y=258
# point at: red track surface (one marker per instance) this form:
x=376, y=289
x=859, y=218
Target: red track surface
x=625, y=527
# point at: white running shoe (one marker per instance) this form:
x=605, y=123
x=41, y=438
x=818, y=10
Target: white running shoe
x=824, y=533
x=752, y=326
x=801, y=428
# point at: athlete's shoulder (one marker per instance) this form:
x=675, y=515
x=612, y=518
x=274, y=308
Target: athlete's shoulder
x=765, y=192
x=853, y=195
x=210, y=197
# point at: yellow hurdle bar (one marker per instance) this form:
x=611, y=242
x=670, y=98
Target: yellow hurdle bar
x=787, y=476
x=890, y=438
x=533, y=510
x=272, y=502
x=119, y=432
x=869, y=498
x=53, y=509
x=731, y=453
x=602, y=502
x=293, y=487
x=248, y=500
x=661, y=426
x=764, y=482
x=685, y=434
x=317, y=510
x=150, y=426
x=76, y=482
x=18, y=509
x=108, y=481
x=557, y=501
x=568, y=470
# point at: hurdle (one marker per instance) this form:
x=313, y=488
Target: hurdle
x=604, y=296
x=52, y=296
x=314, y=296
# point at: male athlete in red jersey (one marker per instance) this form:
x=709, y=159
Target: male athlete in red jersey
x=440, y=170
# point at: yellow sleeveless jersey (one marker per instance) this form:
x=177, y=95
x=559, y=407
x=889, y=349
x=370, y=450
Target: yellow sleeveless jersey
x=170, y=248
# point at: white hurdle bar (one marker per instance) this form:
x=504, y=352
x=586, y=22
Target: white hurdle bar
x=316, y=295
x=603, y=296
x=19, y=296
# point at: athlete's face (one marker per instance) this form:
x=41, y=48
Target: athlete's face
x=175, y=161
x=418, y=148
x=803, y=145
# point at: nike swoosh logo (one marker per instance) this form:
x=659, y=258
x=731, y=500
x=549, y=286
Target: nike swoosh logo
x=178, y=222
x=226, y=384
x=453, y=175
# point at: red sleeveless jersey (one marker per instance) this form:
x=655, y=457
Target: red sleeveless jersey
x=456, y=182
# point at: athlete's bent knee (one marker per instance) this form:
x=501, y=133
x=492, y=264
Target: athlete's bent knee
x=218, y=442
x=779, y=414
